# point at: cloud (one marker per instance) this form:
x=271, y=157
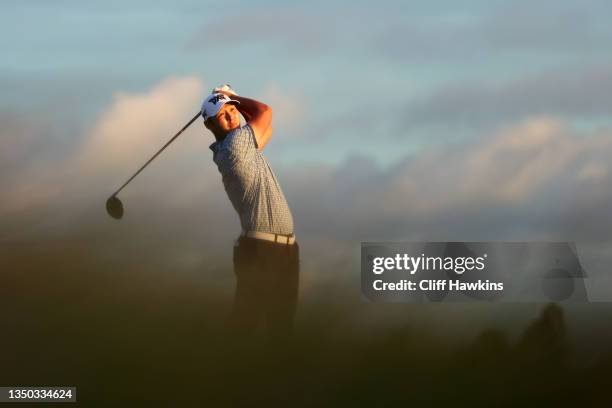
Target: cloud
x=137, y=123
x=123, y=137
x=538, y=178
x=288, y=108
x=517, y=171
x=571, y=92
x=461, y=109
x=512, y=167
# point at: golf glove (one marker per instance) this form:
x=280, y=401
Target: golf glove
x=225, y=88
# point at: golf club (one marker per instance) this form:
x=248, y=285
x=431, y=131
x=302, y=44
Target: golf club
x=114, y=207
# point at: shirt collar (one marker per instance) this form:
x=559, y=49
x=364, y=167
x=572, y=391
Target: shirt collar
x=214, y=146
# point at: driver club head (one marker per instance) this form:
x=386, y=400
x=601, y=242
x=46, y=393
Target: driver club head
x=114, y=207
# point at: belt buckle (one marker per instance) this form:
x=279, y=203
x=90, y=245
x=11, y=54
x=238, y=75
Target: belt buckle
x=281, y=241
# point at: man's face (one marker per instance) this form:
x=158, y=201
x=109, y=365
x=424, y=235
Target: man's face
x=226, y=120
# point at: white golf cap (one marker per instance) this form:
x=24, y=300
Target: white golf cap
x=213, y=104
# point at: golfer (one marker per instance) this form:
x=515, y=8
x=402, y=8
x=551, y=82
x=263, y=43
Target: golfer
x=266, y=255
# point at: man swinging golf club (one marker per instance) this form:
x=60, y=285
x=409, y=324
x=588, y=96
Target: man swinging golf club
x=266, y=255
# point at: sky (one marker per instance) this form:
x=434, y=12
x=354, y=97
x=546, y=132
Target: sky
x=475, y=120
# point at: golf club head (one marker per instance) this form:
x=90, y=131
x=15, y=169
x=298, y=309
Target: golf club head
x=114, y=207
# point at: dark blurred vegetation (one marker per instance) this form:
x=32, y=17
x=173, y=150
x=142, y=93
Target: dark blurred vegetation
x=127, y=336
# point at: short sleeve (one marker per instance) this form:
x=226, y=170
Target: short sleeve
x=241, y=142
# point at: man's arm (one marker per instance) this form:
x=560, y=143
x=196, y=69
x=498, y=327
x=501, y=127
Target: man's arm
x=258, y=115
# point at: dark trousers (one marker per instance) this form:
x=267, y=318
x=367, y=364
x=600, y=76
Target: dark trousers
x=267, y=280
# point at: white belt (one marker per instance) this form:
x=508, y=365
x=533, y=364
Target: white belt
x=278, y=238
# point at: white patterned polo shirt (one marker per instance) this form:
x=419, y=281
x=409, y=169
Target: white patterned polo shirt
x=251, y=184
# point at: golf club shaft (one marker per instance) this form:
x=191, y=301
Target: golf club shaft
x=157, y=154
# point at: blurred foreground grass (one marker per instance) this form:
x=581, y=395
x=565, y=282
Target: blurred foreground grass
x=130, y=334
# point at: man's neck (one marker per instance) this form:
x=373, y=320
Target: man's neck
x=220, y=137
